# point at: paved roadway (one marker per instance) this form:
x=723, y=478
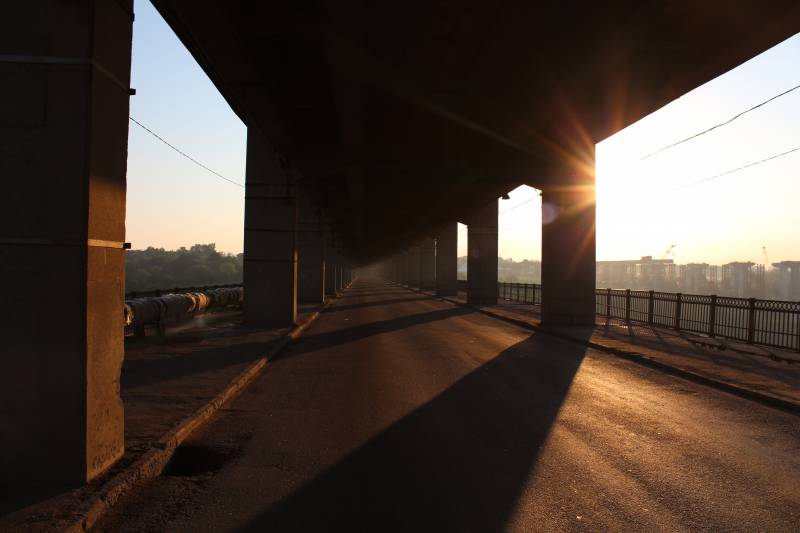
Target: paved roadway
x=397, y=411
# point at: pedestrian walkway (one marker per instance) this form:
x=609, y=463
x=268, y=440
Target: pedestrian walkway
x=768, y=372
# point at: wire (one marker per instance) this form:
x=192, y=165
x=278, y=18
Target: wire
x=712, y=128
x=518, y=205
x=770, y=158
x=184, y=154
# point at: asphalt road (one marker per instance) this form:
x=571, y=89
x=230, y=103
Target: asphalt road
x=397, y=411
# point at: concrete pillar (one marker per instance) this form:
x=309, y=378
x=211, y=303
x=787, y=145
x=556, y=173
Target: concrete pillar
x=405, y=268
x=428, y=264
x=568, y=255
x=482, y=257
x=310, y=255
x=414, y=270
x=447, y=260
x=64, y=130
x=331, y=260
x=270, y=225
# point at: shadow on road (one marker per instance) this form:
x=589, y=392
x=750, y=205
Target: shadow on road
x=351, y=307
x=329, y=339
x=456, y=463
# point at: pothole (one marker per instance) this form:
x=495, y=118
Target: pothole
x=193, y=460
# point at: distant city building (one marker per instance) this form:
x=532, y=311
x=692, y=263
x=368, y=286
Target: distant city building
x=787, y=281
x=644, y=274
x=741, y=279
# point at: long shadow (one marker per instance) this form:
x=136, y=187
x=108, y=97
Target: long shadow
x=350, y=307
x=457, y=463
x=360, y=294
x=329, y=339
x=137, y=373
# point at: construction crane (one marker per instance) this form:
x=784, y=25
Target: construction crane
x=669, y=251
x=766, y=258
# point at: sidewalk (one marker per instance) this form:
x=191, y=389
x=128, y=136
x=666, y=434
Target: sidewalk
x=165, y=380
x=767, y=374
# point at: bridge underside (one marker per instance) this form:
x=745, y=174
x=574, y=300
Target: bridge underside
x=372, y=128
x=400, y=117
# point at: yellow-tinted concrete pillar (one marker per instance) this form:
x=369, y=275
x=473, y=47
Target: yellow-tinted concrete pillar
x=64, y=132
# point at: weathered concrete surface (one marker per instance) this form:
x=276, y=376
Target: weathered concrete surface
x=447, y=260
x=270, y=238
x=427, y=264
x=482, y=255
x=63, y=132
x=402, y=412
x=311, y=255
x=568, y=250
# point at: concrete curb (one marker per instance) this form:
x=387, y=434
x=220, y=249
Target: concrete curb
x=152, y=463
x=765, y=399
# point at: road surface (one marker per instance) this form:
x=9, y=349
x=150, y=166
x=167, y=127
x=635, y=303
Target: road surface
x=400, y=412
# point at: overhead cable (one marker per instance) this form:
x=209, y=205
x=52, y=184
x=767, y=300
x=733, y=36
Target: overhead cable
x=721, y=174
x=184, y=154
x=725, y=123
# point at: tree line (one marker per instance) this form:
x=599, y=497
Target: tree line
x=157, y=268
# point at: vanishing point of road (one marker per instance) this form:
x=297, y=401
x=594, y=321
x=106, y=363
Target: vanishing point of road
x=399, y=411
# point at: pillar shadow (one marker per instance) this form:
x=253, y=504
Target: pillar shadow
x=457, y=463
x=309, y=343
x=350, y=307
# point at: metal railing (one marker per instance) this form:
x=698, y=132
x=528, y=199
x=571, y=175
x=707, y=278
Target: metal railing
x=767, y=322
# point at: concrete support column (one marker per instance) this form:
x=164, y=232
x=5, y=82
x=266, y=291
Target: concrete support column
x=482, y=257
x=568, y=255
x=270, y=226
x=414, y=270
x=331, y=260
x=447, y=260
x=310, y=255
x=428, y=264
x=64, y=135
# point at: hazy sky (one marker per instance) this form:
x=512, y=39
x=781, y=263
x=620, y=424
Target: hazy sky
x=641, y=211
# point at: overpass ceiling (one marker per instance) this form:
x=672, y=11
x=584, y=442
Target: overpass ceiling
x=403, y=115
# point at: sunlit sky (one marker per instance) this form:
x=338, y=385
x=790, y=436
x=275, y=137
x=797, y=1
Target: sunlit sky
x=641, y=209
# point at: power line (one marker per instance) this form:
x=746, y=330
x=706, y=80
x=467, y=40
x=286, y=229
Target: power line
x=518, y=205
x=770, y=158
x=184, y=154
x=712, y=128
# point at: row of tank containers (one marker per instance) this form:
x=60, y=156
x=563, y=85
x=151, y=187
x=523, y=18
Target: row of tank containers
x=175, y=308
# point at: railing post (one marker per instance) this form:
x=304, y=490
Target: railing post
x=678, y=300
x=712, y=316
x=651, y=304
x=751, y=320
x=798, y=327
x=608, y=303
x=627, y=306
